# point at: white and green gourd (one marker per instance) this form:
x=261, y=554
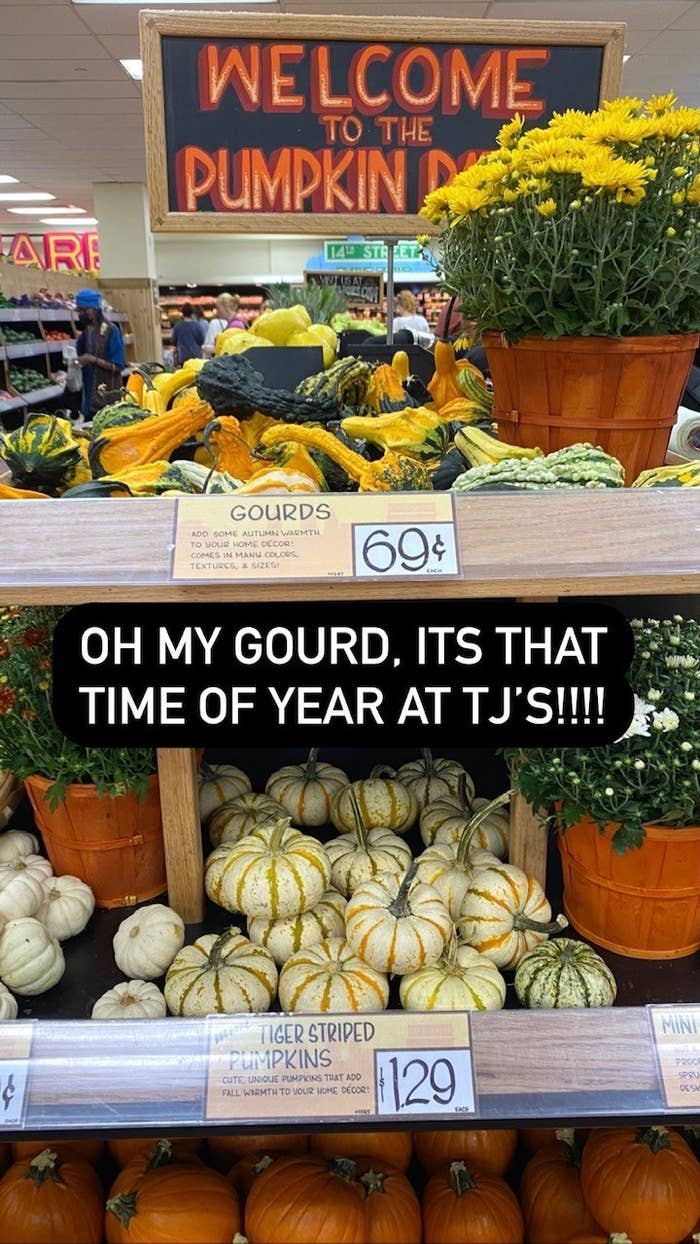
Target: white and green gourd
x=564, y=973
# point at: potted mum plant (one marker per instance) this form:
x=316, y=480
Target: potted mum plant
x=629, y=813
x=576, y=248
x=98, y=809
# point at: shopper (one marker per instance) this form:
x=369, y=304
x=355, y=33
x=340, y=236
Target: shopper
x=188, y=336
x=101, y=355
x=407, y=316
x=225, y=316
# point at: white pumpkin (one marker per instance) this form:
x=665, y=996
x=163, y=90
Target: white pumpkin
x=462, y=980
x=67, y=905
x=307, y=791
x=505, y=913
x=15, y=843
x=446, y=820
x=384, y=803
x=330, y=977
x=35, y=865
x=221, y=975
x=275, y=872
x=8, y=1004
x=397, y=925
x=238, y=817
x=146, y=943
x=355, y=859
x=131, y=1000
x=283, y=938
x=31, y=960
x=217, y=784
x=451, y=868
x=431, y=778
x=21, y=893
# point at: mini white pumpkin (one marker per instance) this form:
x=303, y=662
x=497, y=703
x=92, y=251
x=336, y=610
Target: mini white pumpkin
x=146, y=943
x=431, y=778
x=21, y=893
x=131, y=1000
x=31, y=960
x=275, y=872
x=397, y=925
x=283, y=938
x=462, y=980
x=15, y=843
x=35, y=865
x=221, y=975
x=451, y=868
x=330, y=977
x=240, y=816
x=217, y=784
x=8, y=1004
x=505, y=913
x=307, y=791
x=446, y=819
x=384, y=803
x=67, y=905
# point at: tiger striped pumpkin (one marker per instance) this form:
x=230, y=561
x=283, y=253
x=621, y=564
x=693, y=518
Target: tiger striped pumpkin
x=383, y=801
x=283, y=938
x=330, y=977
x=451, y=869
x=220, y=975
x=360, y=856
x=564, y=973
x=462, y=980
x=307, y=791
x=217, y=784
x=430, y=779
x=275, y=872
x=237, y=817
x=397, y=925
x=446, y=819
x=505, y=913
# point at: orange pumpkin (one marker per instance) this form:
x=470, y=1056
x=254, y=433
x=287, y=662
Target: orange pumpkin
x=465, y=1207
x=246, y=1170
x=489, y=1150
x=48, y=1200
x=305, y=1199
x=124, y=1151
x=392, y=1207
x=179, y=1201
x=551, y=1196
x=87, y=1150
x=5, y=1155
x=225, y=1150
x=392, y=1148
x=645, y=1182
x=535, y=1138
x=159, y=1155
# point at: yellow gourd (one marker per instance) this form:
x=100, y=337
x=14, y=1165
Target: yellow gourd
x=401, y=365
x=392, y=473
x=119, y=449
x=443, y=387
x=231, y=454
x=8, y=493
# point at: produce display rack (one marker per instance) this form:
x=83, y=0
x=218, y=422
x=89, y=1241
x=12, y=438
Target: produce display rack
x=546, y=1067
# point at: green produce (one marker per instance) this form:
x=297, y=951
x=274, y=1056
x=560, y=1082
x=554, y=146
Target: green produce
x=564, y=973
x=478, y=448
x=119, y=414
x=683, y=475
x=16, y=336
x=42, y=454
x=232, y=386
x=577, y=466
x=27, y=379
x=345, y=383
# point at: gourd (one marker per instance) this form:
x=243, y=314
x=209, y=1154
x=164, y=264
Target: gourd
x=275, y=872
x=218, y=784
x=505, y=913
x=21, y=893
x=283, y=938
x=429, y=779
x=66, y=907
x=31, y=960
x=278, y=480
x=391, y=1205
x=451, y=869
x=461, y=1206
x=397, y=924
x=391, y=473
x=347, y=383
x=223, y=1150
x=643, y=1181
x=489, y=1150
x=42, y=453
x=154, y=439
x=462, y=980
x=51, y=1199
x=121, y=414
x=576, y=466
x=146, y=943
x=237, y=817
x=220, y=975
x=551, y=1196
x=306, y=1199
x=564, y=973
x=178, y=1201
x=445, y=820
x=360, y=856
x=222, y=437
x=307, y=791
x=8, y=493
x=16, y=843
x=231, y=386
x=415, y=431
x=330, y=977
x=383, y=801
x=394, y=1149
x=8, y=1004
x=34, y=866
x=131, y=1000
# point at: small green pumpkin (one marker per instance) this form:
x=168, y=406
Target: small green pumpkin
x=41, y=454
x=564, y=973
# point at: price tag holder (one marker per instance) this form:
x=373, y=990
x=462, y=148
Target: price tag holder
x=675, y=1032
x=312, y=537
x=272, y=1068
x=15, y=1049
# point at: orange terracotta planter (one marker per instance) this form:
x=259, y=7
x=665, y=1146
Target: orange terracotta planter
x=621, y=394
x=115, y=845
x=644, y=904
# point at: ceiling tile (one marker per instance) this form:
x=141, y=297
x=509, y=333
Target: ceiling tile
x=122, y=45
x=642, y=14
x=127, y=111
x=690, y=20
x=44, y=71
x=58, y=47
x=120, y=88
x=670, y=42
x=50, y=19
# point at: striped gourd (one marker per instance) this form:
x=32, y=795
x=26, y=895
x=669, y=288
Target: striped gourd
x=564, y=973
x=217, y=784
x=360, y=856
x=283, y=938
x=384, y=803
x=307, y=791
x=221, y=974
x=275, y=872
x=462, y=980
x=430, y=779
x=505, y=913
x=330, y=977
x=238, y=817
x=397, y=925
x=451, y=869
x=443, y=820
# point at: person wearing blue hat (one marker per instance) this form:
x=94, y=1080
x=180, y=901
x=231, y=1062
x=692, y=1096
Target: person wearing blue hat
x=101, y=355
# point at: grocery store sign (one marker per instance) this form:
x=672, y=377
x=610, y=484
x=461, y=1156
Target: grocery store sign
x=270, y=1068
x=675, y=1033
x=15, y=1049
x=371, y=252
x=53, y=252
x=294, y=124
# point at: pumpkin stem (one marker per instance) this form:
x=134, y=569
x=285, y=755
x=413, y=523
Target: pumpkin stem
x=461, y=1179
x=567, y=1136
x=449, y=956
x=473, y=824
x=43, y=1167
x=380, y=771
x=207, y=772
x=462, y=794
x=399, y=906
x=360, y=827
x=123, y=1207
x=216, y=952
x=345, y=1168
x=263, y=1164
x=522, y=923
x=161, y=1155
x=657, y=1138
x=373, y=1181
x=621, y=1237
x=428, y=762
x=311, y=764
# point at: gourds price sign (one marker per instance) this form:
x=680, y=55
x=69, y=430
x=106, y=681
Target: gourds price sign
x=15, y=1048
x=298, y=124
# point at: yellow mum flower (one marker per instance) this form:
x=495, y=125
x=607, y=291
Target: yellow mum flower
x=678, y=198
x=547, y=208
x=510, y=196
x=436, y=204
x=660, y=103
x=611, y=127
x=570, y=124
x=464, y=201
x=509, y=134
x=679, y=121
x=626, y=105
x=693, y=195
x=623, y=177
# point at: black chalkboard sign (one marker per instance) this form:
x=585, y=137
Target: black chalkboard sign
x=365, y=288
x=298, y=124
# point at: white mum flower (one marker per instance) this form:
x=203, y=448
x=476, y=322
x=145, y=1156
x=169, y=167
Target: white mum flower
x=653, y=695
x=666, y=720
x=639, y=724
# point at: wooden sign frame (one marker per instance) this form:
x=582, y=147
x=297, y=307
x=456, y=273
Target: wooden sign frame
x=155, y=24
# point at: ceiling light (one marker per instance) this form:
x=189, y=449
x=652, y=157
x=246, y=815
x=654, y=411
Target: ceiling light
x=134, y=68
x=30, y=196
x=69, y=220
x=44, y=211
x=626, y=58
x=6, y=180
